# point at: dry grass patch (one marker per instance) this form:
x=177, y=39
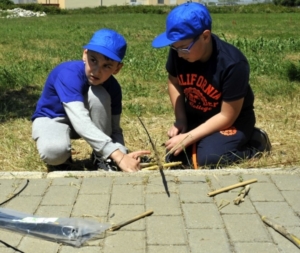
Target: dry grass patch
x=281, y=121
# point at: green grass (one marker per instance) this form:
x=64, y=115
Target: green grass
x=31, y=47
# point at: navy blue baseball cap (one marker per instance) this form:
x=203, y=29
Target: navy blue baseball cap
x=184, y=22
x=109, y=43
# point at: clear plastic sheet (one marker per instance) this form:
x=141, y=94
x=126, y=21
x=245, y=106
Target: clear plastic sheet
x=71, y=231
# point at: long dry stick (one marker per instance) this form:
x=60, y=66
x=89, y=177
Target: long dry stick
x=124, y=223
x=160, y=166
x=282, y=230
x=230, y=187
x=165, y=165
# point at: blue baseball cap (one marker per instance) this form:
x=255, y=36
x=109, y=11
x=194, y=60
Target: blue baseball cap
x=109, y=43
x=184, y=22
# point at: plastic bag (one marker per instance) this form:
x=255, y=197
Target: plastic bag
x=71, y=231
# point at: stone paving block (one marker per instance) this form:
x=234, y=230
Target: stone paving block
x=239, y=232
x=216, y=182
x=280, y=212
x=127, y=194
x=26, y=204
x=60, y=196
x=208, y=241
x=64, y=181
x=54, y=211
x=29, y=243
x=265, y=192
x=6, y=250
x=287, y=182
x=167, y=249
x=165, y=230
x=85, y=249
x=93, y=205
x=227, y=180
x=120, y=213
x=246, y=247
x=161, y=204
x=7, y=188
x=260, y=178
x=228, y=197
x=292, y=198
x=97, y=240
x=142, y=180
x=283, y=244
x=35, y=187
x=202, y=215
x=213, y=182
x=125, y=241
x=192, y=179
x=155, y=184
x=194, y=193
x=97, y=185
x=10, y=237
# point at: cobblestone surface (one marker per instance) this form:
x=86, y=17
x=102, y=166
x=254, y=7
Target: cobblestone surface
x=187, y=221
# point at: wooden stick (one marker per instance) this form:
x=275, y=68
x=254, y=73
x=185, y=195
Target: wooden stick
x=241, y=196
x=282, y=230
x=165, y=165
x=124, y=223
x=230, y=187
x=144, y=165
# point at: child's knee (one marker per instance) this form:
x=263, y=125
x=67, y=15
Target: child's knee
x=54, y=155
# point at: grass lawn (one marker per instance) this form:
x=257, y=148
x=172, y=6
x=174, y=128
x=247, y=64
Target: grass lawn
x=31, y=47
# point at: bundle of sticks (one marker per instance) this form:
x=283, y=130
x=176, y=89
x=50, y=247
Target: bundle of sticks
x=155, y=166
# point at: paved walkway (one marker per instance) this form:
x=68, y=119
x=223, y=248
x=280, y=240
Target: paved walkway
x=188, y=221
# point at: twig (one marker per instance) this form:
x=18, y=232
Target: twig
x=144, y=165
x=160, y=166
x=241, y=195
x=282, y=230
x=124, y=223
x=165, y=165
x=152, y=144
x=223, y=204
x=225, y=189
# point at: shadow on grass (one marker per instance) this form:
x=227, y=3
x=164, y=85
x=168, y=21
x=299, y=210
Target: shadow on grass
x=18, y=103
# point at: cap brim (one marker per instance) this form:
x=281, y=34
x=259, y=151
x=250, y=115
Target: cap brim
x=162, y=41
x=104, y=51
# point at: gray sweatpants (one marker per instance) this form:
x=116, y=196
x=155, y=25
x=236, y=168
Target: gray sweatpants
x=53, y=136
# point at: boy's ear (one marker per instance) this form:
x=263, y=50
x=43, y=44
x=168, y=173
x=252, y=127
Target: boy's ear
x=206, y=35
x=84, y=55
x=120, y=65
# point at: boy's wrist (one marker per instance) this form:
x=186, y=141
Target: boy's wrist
x=117, y=156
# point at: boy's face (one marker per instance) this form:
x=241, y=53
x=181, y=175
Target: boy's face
x=99, y=68
x=199, y=51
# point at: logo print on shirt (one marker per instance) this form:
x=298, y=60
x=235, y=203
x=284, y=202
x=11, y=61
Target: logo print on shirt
x=200, y=95
x=229, y=131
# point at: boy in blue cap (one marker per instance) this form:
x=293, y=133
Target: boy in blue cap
x=83, y=99
x=209, y=89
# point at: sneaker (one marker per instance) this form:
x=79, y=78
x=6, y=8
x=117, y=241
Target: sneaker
x=260, y=140
x=61, y=167
x=100, y=163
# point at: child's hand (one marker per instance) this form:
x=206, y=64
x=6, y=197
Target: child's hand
x=136, y=154
x=177, y=143
x=177, y=128
x=131, y=162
